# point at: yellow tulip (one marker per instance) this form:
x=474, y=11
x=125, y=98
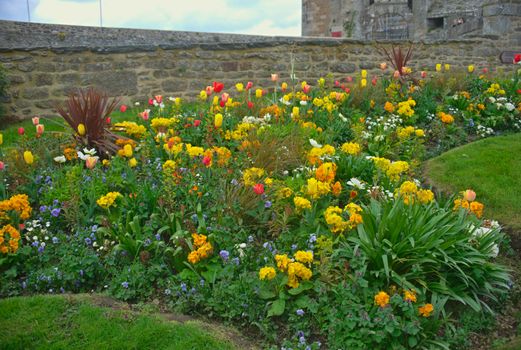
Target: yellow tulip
x=218, y=120
x=203, y=95
x=363, y=73
x=239, y=87
x=447, y=67
x=438, y=67
x=470, y=68
x=258, y=93
x=363, y=83
x=81, y=129
x=132, y=162
x=177, y=101
x=1, y=139
x=28, y=157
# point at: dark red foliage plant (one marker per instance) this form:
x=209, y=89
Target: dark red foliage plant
x=90, y=108
x=398, y=57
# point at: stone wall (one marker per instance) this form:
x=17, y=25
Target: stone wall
x=46, y=62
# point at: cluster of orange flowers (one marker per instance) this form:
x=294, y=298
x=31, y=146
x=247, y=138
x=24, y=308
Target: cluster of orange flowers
x=467, y=202
x=202, y=249
x=382, y=299
x=9, y=235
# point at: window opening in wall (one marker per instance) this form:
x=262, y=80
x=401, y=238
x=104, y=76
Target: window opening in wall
x=435, y=23
x=409, y=4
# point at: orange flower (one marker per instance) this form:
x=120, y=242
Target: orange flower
x=426, y=310
x=382, y=299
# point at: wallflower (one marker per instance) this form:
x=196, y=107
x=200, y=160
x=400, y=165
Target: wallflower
x=304, y=257
x=295, y=271
x=409, y=295
x=127, y=151
x=285, y=192
x=326, y=172
x=315, y=155
x=169, y=166
x=336, y=222
x=252, y=175
x=426, y=310
x=132, y=162
x=446, y=118
x=336, y=188
x=194, y=151
x=283, y=262
x=9, y=238
x=316, y=189
x=267, y=273
x=202, y=249
x=389, y=107
x=351, y=148
x=301, y=203
x=382, y=299
x=405, y=108
x=425, y=196
x=108, y=200
x=18, y=203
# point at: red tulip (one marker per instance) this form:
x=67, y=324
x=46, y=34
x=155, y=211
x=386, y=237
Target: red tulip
x=258, y=188
x=250, y=104
x=207, y=161
x=373, y=81
x=2, y=165
x=150, y=101
x=21, y=131
x=485, y=70
x=222, y=103
x=123, y=108
x=517, y=58
x=197, y=122
x=158, y=98
x=347, y=90
x=306, y=88
x=337, y=83
x=108, y=120
x=249, y=85
x=218, y=86
x=519, y=91
x=423, y=74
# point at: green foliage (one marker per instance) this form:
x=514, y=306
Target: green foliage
x=4, y=84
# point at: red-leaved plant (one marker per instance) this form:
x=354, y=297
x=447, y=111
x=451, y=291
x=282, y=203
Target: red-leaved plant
x=398, y=58
x=90, y=108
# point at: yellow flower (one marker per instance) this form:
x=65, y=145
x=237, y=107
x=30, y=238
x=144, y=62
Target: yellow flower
x=81, y=129
x=316, y=189
x=251, y=176
x=470, y=68
x=425, y=196
x=335, y=220
x=447, y=67
x=477, y=208
x=285, y=192
x=426, y=310
x=258, y=93
x=1, y=138
x=108, y=200
x=438, y=67
x=194, y=151
x=127, y=151
x=28, y=157
x=363, y=73
x=267, y=273
x=446, y=118
x=305, y=257
x=409, y=295
x=389, y=107
x=351, y=148
x=132, y=162
x=363, y=83
x=239, y=87
x=177, y=101
x=419, y=133
x=218, y=120
x=169, y=166
x=326, y=172
x=301, y=203
x=282, y=262
x=203, y=95
x=382, y=299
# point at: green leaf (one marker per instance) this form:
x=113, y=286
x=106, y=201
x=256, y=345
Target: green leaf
x=277, y=308
x=412, y=342
x=301, y=288
x=265, y=293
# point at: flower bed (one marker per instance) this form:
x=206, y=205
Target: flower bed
x=296, y=212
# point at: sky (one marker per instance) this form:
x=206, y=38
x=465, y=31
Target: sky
x=261, y=17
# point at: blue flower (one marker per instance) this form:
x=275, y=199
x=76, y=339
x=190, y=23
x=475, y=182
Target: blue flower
x=158, y=237
x=236, y=261
x=267, y=204
x=55, y=212
x=124, y=284
x=183, y=287
x=300, y=312
x=224, y=254
x=43, y=208
x=88, y=241
x=55, y=240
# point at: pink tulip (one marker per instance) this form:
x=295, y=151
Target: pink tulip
x=349, y=79
x=209, y=90
x=383, y=66
x=145, y=114
x=396, y=74
x=306, y=88
x=90, y=162
x=337, y=83
x=249, y=85
x=2, y=165
x=224, y=97
x=158, y=98
x=21, y=131
x=40, y=129
x=469, y=195
x=197, y=122
x=36, y=121
x=423, y=74
x=274, y=77
x=108, y=120
x=123, y=108
x=207, y=161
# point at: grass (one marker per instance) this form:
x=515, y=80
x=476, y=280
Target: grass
x=490, y=167
x=73, y=322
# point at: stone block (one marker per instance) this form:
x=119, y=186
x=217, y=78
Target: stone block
x=114, y=83
x=343, y=67
x=35, y=93
x=43, y=79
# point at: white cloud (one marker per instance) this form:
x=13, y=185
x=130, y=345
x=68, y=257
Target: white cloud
x=266, y=17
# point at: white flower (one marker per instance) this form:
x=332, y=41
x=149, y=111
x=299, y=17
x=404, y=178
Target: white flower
x=284, y=102
x=315, y=143
x=60, y=159
x=509, y=106
x=90, y=152
x=82, y=156
x=492, y=99
x=344, y=119
x=242, y=245
x=354, y=182
x=136, y=104
x=495, y=250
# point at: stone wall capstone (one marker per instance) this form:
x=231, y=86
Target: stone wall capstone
x=46, y=62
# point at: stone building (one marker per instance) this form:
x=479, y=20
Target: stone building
x=413, y=19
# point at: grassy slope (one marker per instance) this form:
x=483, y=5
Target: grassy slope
x=492, y=168
x=57, y=322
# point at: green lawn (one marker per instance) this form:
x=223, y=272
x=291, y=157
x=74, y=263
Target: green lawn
x=492, y=168
x=73, y=322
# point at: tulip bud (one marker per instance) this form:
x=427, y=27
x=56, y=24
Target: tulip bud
x=306, y=88
x=197, y=122
x=250, y=105
x=90, y=162
x=383, y=66
x=1, y=139
x=108, y=120
x=469, y=195
x=36, y=121
x=28, y=157
x=396, y=74
x=239, y=87
x=123, y=108
x=81, y=129
x=40, y=129
x=249, y=85
x=363, y=73
x=438, y=67
x=21, y=131
x=470, y=68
